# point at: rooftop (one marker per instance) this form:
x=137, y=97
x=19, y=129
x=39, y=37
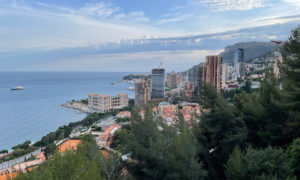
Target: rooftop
x=70, y=144
x=94, y=94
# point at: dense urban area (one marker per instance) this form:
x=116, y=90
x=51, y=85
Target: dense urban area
x=221, y=119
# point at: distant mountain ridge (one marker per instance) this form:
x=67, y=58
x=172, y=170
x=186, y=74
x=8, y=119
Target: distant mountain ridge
x=252, y=50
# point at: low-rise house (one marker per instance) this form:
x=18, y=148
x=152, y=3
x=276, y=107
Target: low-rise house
x=108, y=135
x=186, y=111
x=169, y=116
x=124, y=114
x=27, y=166
x=164, y=105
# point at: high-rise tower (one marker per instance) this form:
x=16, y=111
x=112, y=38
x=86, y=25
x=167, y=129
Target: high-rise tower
x=213, y=71
x=158, y=83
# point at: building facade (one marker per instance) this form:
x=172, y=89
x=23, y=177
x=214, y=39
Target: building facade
x=225, y=74
x=239, y=65
x=188, y=90
x=213, y=71
x=142, y=92
x=104, y=103
x=158, y=83
x=173, y=80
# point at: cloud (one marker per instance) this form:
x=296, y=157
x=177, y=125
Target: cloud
x=228, y=5
x=130, y=62
x=293, y=2
x=172, y=19
x=99, y=9
x=47, y=26
x=264, y=21
x=136, y=16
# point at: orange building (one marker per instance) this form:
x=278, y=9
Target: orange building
x=70, y=144
x=5, y=175
x=108, y=135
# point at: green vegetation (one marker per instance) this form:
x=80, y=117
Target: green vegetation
x=119, y=120
x=85, y=163
x=24, y=146
x=19, y=151
x=4, y=151
x=84, y=101
x=65, y=131
x=255, y=136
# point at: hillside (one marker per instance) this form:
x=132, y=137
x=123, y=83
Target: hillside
x=252, y=50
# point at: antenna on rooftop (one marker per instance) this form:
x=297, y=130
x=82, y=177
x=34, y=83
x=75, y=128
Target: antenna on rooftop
x=161, y=66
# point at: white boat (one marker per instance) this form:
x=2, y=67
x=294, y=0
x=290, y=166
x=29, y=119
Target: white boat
x=18, y=88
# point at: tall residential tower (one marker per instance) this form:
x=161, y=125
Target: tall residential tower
x=213, y=71
x=142, y=92
x=158, y=83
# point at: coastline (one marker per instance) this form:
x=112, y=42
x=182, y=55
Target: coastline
x=31, y=114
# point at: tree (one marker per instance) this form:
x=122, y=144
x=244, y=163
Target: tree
x=182, y=158
x=247, y=86
x=218, y=132
x=85, y=163
x=268, y=163
x=71, y=165
x=290, y=73
x=234, y=170
x=4, y=151
x=293, y=153
x=49, y=149
x=263, y=113
x=146, y=146
x=208, y=96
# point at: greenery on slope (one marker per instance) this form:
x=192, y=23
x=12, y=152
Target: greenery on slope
x=254, y=137
x=85, y=163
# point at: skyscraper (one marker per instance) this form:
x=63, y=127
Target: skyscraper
x=188, y=89
x=142, y=92
x=200, y=75
x=158, y=83
x=213, y=71
x=192, y=75
x=238, y=63
x=173, y=80
x=225, y=73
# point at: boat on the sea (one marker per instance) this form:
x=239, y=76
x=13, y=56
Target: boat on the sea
x=18, y=88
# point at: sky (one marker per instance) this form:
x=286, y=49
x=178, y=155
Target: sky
x=133, y=35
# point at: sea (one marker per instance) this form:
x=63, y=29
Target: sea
x=34, y=112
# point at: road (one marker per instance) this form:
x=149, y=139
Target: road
x=18, y=160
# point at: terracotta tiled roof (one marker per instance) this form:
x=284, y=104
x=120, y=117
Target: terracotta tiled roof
x=105, y=135
x=123, y=94
x=70, y=144
x=124, y=113
x=94, y=94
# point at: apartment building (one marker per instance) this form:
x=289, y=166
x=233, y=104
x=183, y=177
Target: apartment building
x=104, y=103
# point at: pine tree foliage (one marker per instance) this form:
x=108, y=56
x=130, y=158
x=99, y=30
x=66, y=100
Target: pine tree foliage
x=290, y=70
x=234, y=169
